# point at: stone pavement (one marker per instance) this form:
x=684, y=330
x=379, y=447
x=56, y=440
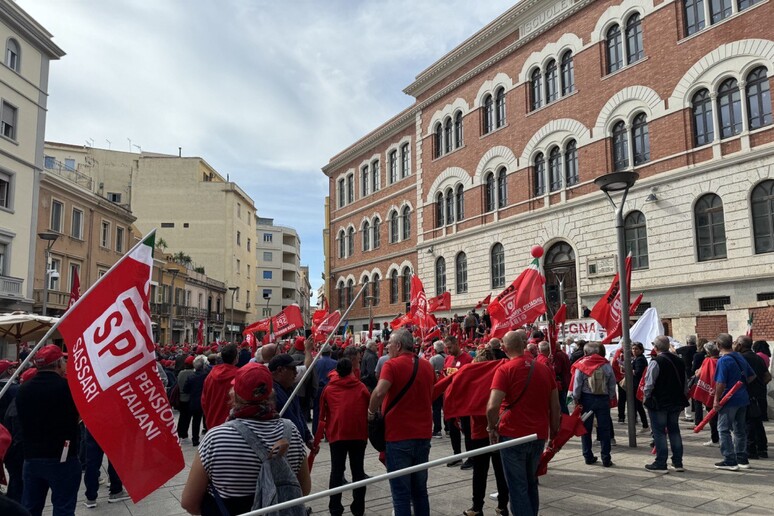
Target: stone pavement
x=570, y=487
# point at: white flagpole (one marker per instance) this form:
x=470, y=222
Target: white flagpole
x=69, y=310
x=398, y=473
x=311, y=366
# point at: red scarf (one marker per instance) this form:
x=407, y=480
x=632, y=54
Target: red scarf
x=704, y=389
x=587, y=365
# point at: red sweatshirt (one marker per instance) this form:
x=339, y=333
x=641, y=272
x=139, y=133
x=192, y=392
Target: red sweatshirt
x=344, y=408
x=215, y=402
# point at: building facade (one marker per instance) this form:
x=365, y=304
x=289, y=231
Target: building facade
x=509, y=131
x=199, y=214
x=23, y=98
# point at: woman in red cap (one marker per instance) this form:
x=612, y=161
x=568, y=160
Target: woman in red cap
x=225, y=465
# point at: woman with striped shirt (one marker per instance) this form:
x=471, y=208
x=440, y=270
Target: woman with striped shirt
x=225, y=466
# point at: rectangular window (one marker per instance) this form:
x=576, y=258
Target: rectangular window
x=765, y=296
x=714, y=304
x=114, y=197
x=238, y=266
x=101, y=272
x=70, y=164
x=266, y=311
x=167, y=224
x=404, y=156
x=248, y=245
x=239, y=211
x=53, y=279
x=266, y=293
x=5, y=190
x=267, y=237
x=3, y=259
x=104, y=239
x=76, y=229
x=248, y=270
x=57, y=216
x=267, y=275
x=239, y=238
x=49, y=162
x=8, y=121
x=267, y=256
x=119, y=239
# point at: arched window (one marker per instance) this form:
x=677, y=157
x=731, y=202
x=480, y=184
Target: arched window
x=571, y=163
x=394, y=286
x=340, y=295
x=406, y=222
x=375, y=289
x=695, y=19
x=488, y=118
x=458, y=136
x=489, y=192
x=500, y=105
x=502, y=188
x=710, y=228
x=758, y=98
x=377, y=232
x=497, y=261
x=640, y=139
x=393, y=166
x=620, y=146
x=763, y=216
x=406, y=278
x=702, y=118
x=366, y=236
x=364, y=181
x=552, y=90
x=459, y=196
x=720, y=9
x=438, y=140
x=439, y=210
x=351, y=241
x=449, y=201
x=393, y=226
x=350, y=291
x=405, y=170
x=447, y=134
x=634, y=49
x=554, y=169
x=539, y=174
x=636, y=238
x=440, y=276
x=364, y=297
x=342, y=244
x=536, y=90
x=461, y=272
x=568, y=73
x=12, y=55
x=614, y=49
x=729, y=108
x=375, y=175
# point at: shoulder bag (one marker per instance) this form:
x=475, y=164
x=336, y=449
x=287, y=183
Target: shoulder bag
x=376, y=425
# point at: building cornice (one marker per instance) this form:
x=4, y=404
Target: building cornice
x=32, y=31
x=86, y=196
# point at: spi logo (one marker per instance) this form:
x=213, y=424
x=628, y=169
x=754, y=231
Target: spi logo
x=119, y=341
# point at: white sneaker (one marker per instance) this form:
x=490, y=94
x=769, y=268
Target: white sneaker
x=493, y=496
x=710, y=443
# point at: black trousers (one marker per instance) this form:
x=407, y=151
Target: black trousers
x=339, y=452
x=714, y=435
x=621, y=404
x=455, y=434
x=481, y=472
x=184, y=421
x=437, y=418
x=756, y=434
x=197, y=417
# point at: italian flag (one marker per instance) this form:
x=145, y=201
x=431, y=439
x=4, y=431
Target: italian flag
x=749, y=326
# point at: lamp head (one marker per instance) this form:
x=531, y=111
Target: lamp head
x=616, y=181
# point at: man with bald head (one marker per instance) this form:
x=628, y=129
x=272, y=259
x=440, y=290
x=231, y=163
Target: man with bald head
x=523, y=401
x=267, y=353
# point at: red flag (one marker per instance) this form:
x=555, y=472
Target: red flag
x=519, y=304
x=418, y=303
x=704, y=388
x=200, y=333
x=635, y=304
x=560, y=317
x=113, y=378
x=484, y=301
x=327, y=326
x=75, y=292
x=607, y=311
x=286, y=321
x=401, y=320
x=435, y=334
x=468, y=391
x=437, y=303
x=317, y=317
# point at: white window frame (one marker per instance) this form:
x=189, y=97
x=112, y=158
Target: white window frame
x=120, y=239
x=61, y=216
x=79, y=236
x=104, y=234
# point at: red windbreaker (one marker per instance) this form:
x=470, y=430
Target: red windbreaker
x=344, y=408
x=215, y=402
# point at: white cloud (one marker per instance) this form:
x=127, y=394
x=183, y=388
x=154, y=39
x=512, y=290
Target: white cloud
x=265, y=91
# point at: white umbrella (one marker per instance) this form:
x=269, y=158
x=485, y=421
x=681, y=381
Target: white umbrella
x=21, y=326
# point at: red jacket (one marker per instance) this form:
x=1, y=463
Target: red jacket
x=344, y=408
x=215, y=402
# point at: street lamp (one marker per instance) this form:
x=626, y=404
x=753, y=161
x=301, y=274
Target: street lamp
x=231, y=323
x=174, y=273
x=49, y=238
x=370, y=300
x=611, y=183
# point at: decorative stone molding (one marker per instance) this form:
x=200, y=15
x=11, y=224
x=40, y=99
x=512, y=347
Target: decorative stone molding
x=568, y=41
x=449, y=177
x=624, y=104
x=555, y=132
x=492, y=159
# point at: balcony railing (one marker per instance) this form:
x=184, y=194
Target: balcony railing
x=56, y=299
x=215, y=317
x=11, y=287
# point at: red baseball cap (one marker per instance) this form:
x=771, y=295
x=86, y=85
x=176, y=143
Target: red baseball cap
x=299, y=343
x=47, y=355
x=7, y=364
x=253, y=382
x=189, y=360
x=28, y=374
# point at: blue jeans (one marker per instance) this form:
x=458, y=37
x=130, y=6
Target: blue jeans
x=63, y=478
x=520, y=464
x=599, y=404
x=409, y=489
x=94, y=455
x=665, y=422
x=733, y=418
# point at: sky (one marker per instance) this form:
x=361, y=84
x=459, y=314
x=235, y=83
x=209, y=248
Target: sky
x=265, y=91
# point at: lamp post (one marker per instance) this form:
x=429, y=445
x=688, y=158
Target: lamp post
x=559, y=274
x=370, y=300
x=231, y=322
x=49, y=238
x=611, y=183
x=174, y=273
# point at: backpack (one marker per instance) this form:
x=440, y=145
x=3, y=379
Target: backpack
x=597, y=382
x=276, y=482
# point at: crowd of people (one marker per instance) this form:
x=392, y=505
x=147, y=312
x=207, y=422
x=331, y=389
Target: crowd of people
x=230, y=398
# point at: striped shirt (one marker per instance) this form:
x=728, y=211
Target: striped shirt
x=230, y=463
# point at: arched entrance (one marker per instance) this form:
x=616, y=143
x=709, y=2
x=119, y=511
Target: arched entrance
x=559, y=265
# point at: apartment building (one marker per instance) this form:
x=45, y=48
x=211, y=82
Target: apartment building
x=510, y=129
x=29, y=50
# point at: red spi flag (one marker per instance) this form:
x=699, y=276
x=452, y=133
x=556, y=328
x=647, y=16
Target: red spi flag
x=286, y=321
x=607, y=311
x=327, y=326
x=519, y=304
x=75, y=292
x=401, y=320
x=484, y=301
x=437, y=303
x=418, y=302
x=113, y=378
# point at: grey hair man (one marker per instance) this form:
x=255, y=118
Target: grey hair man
x=437, y=361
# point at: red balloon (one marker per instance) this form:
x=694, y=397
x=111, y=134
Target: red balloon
x=536, y=251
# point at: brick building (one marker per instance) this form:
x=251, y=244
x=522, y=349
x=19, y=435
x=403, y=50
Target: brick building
x=509, y=131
